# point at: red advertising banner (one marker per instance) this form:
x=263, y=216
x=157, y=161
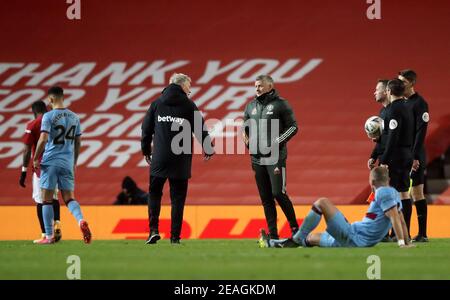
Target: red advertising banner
x=325, y=58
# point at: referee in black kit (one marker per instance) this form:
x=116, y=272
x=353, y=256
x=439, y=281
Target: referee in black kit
x=380, y=143
x=419, y=107
x=397, y=156
x=268, y=149
x=169, y=124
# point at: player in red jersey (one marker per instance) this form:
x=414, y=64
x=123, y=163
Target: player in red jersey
x=30, y=139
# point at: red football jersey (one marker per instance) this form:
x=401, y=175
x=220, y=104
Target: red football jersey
x=31, y=138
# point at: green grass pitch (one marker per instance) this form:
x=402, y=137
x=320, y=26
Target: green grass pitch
x=219, y=259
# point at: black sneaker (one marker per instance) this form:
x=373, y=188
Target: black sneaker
x=420, y=239
x=153, y=237
x=289, y=243
x=174, y=241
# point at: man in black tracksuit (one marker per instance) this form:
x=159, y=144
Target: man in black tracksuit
x=169, y=123
x=269, y=123
x=419, y=107
x=399, y=124
x=380, y=97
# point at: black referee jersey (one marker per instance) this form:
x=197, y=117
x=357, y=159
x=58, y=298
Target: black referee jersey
x=381, y=141
x=399, y=125
x=419, y=108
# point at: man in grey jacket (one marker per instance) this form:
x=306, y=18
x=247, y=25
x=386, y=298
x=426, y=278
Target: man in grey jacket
x=269, y=123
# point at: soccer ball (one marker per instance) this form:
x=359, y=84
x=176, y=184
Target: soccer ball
x=374, y=127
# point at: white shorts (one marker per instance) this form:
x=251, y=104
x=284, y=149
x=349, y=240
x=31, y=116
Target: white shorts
x=37, y=194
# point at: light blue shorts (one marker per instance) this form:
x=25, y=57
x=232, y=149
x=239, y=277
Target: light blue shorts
x=53, y=177
x=339, y=233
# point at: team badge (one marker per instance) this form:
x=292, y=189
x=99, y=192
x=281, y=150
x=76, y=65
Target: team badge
x=254, y=111
x=269, y=107
x=393, y=124
x=426, y=117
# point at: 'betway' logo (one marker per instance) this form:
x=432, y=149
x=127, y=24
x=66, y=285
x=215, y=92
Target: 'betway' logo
x=170, y=119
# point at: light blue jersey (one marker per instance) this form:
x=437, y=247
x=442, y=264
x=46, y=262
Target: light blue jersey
x=62, y=126
x=376, y=224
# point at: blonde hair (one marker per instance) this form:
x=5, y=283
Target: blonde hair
x=380, y=176
x=179, y=78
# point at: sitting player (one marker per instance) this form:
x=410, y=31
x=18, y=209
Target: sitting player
x=384, y=212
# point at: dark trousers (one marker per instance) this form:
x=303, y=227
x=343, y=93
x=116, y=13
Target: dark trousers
x=271, y=182
x=178, y=192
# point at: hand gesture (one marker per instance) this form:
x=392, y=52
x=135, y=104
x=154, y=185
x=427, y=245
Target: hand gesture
x=207, y=157
x=415, y=165
x=36, y=164
x=371, y=163
x=245, y=138
x=23, y=176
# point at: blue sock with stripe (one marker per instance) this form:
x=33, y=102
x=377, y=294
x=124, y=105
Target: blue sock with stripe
x=309, y=224
x=48, y=214
x=75, y=209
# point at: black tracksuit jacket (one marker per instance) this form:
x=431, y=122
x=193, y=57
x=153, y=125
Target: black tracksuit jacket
x=270, y=106
x=173, y=106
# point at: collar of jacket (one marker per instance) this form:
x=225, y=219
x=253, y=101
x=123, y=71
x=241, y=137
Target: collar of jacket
x=173, y=95
x=413, y=96
x=267, y=97
x=174, y=88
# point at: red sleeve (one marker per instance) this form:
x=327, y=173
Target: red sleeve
x=28, y=138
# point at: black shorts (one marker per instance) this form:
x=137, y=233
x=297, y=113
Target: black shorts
x=418, y=177
x=399, y=170
x=399, y=180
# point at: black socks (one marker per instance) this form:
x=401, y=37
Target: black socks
x=422, y=212
x=407, y=211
